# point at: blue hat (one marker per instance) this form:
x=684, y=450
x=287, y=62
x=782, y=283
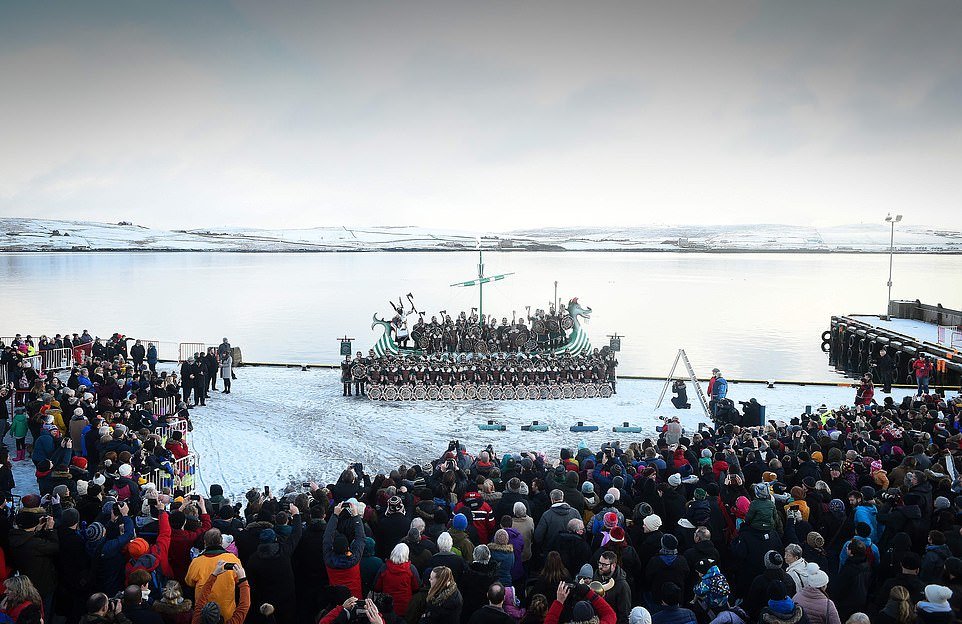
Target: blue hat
x=267, y=536
x=95, y=532
x=460, y=522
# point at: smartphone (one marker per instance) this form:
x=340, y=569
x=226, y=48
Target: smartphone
x=195, y=497
x=229, y=565
x=267, y=491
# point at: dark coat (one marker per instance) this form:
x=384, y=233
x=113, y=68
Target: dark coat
x=444, y=609
x=489, y=614
x=34, y=554
x=271, y=575
x=389, y=532
x=475, y=582
x=849, y=588
x=574, y=550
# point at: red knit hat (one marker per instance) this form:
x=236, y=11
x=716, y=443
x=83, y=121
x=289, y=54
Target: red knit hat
x=79, y=462
x=137, y=547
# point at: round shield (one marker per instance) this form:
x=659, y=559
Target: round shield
x=484, y=393
x=507, y=393
x=566, y=323
x=358, y=371
x=518, y=339
x=521, y=393
x=467, y=345
x=424, y=342
x=420, y=393
x=531, y=345
x=480, y=347
x=555, y=392
x=544, y=392
x=591, y=390
x=553, y=326
x=406, y=393
x=446, y=393
x=470, y=392
x=524, y=332
x=604, y=391
x=374, y=392
x=390, y=393
x=458, y=392
x=567, y=391
x=433, y=393
x=496, y=393
x=537, y=326
x=580, y=391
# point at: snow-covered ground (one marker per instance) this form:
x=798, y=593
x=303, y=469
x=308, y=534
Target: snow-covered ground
x=59, y=235
x=281, y=425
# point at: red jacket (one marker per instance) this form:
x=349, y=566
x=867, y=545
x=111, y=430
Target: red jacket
x=177, y=448
x=181, y=542
x=159, y=553
x=400, y=580
x=922, y=368
x=603, y=610
x=481, y=514
x=348, y=577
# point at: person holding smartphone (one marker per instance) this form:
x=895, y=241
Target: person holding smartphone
x=207, y=610
x=203, y=566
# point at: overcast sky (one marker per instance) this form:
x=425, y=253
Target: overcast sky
x=482, y=115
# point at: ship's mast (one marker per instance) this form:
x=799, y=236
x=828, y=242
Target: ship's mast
x=481, y=281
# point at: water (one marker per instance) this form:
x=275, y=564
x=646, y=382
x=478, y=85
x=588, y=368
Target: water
x=754, y=316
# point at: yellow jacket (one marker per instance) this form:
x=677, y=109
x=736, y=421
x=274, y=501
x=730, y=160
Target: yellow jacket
x=223, y=592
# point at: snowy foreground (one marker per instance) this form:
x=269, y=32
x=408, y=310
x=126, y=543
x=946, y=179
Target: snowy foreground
x=282, y=426
x=59, y=235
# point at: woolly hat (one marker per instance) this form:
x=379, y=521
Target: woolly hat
x=395, y=505
x=942, y=503
x=610, y=519
x=836, y=506
x=501, y=537
x=773, y=560
x=583, y=611
x=700, y=494
x=79, y=462
x=669, y=542
x=459, y=522
x=82, y=488
x=616, y=534
x=269, y=536
x=868, y=492
x=815, y=540
x=95, y=532
x=674, y=480
x=614, y=492
x=815, y=576
x=817, y=456
x=78, y=412
x=798, y=493
x=210, y=613
x=586, y=571
x=30, y=501
x=936, y=594
x=125, y=470
x=609, y=498
x=639, y=615
x=761, y=490
x=587, y=487
x=137, y=547
x=652, y=523
x=768, y=477
x=911, y=561
x=69, y=517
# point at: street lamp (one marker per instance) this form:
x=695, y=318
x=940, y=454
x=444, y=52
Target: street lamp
x=893, y=220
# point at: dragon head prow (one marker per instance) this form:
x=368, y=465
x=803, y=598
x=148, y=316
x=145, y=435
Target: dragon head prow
x=576, y=309
x=378, y=321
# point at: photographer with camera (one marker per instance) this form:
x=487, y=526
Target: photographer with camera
x=105, y=547
x=341, y=557
x=33, y=551
x=585, y=605
x=104, y=610
x=353, y=610
x=207, y=611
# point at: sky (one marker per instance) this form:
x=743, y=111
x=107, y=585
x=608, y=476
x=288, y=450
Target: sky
x=483, y=115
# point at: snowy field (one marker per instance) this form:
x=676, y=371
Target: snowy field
x=26, y=234
x=282, y=426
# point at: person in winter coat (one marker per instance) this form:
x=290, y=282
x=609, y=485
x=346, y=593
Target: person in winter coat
x=20, y=600
x=19, y=430
x=571, y=545
x=392, y=526
x=182, y=539
x=668, y=566
x=479, y=513
x=106, y=545
x=495, y=611
x=617, y=591
x=202, y=568
x=477, y=577
x=206, y=611
x=818, y=607
x=524, y=525
x=933, y=561
x=781, y=609
x=588, y=606
x=849, y=588
x=270, y=572
x=865, y=511
x=443, y=604
x=446, y=557
x=226, y=372
x=749, y=551
x=503, y=553
x=151, y=558
x=773, y=571
x=553, y=521
x=34, y=547
x=341, y=557
x=172, y=606
x=137, y=354
x=935, y=609
x=761, y=512
x=152, y=357
x=460, y=539
x=177, y=445
x=398, y=578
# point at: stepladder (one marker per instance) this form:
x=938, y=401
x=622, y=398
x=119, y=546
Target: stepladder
x=683, y=358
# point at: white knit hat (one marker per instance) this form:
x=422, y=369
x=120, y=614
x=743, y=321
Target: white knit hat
x=652, y=523
x=938, y=594
x=814, y=576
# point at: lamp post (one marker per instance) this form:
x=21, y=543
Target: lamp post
x=892, y=220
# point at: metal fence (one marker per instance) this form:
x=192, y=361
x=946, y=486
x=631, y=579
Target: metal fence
x=165, y=431
x=56, y=359
x=165, y=406
x=188, y=349
x=182, y=475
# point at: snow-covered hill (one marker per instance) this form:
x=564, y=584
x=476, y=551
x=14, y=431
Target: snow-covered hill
x=55, y=235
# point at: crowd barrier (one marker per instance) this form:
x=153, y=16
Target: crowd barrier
x=56, y=359
x=165, y=431
x=3, y=375
x=184, y=475
x=36, y=361
x=187, y=350
x=165, y=406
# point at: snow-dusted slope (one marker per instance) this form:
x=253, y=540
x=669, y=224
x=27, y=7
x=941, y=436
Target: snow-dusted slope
x=54, y=235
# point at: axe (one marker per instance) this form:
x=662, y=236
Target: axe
x=411, y=301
